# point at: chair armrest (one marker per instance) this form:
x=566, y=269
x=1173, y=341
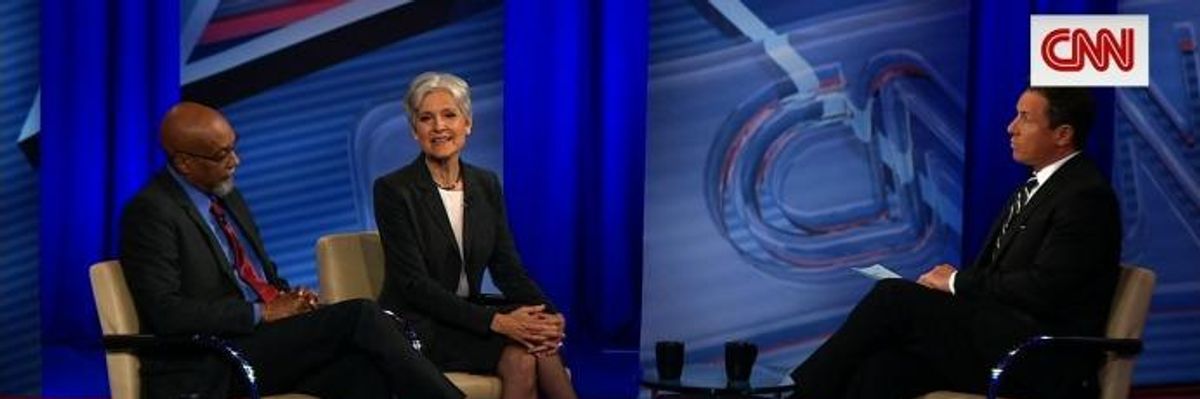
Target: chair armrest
x=197, y=342
x=147, y=342
x=1120, y=346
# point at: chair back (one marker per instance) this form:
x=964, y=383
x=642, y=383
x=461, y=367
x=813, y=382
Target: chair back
x=350, y=266
x=1127, y=319
x=114, y=304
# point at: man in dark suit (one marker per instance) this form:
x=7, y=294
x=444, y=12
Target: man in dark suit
x=1049, y=267
x=195, y=263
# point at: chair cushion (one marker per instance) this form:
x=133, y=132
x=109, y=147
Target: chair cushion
x=476, y=386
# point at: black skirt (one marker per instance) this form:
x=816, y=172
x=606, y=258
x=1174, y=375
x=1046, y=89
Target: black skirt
x=455, y=349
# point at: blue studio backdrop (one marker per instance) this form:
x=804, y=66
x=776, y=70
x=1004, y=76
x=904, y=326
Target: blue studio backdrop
x=564, y=90
x=20, y=329
x=574, y=160
x=108, y=72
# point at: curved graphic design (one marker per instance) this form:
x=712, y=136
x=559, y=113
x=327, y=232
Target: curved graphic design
x=787, y=142
x=893, y=193
x=373, y=150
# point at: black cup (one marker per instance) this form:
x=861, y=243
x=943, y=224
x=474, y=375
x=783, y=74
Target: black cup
x=739, y=361
x=668, y=357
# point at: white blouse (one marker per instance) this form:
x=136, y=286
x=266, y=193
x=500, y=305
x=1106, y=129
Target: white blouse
x=453, y=202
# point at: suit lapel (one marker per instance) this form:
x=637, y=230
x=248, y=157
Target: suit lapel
x=1043, y=195
x=474, y=219
x=993, y=235
x=241, y=216
x=432, y=201
x=181, y=199
x=1049, y=190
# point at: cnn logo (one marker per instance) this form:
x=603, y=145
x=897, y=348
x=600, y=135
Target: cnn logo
x=1089, y=50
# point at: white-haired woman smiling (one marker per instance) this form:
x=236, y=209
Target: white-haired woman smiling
x=442, y=222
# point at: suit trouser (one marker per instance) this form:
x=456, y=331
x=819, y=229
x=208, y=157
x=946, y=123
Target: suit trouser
x=346, y=350
x=901, y=340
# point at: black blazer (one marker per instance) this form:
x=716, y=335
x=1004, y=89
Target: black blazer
x=1057, y=266
x=422, y=257
x=180, y=281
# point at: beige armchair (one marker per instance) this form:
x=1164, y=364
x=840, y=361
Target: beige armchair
x=350, y=266
x=120, y=326
x=1122, y=340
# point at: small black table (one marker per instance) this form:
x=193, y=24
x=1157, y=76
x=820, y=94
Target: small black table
x=708, y=381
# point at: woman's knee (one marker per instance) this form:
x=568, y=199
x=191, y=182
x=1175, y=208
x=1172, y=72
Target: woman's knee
x=516, y=362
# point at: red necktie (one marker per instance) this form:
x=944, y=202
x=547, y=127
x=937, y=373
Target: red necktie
x=265, y=291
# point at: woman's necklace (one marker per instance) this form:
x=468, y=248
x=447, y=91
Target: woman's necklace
x=450, y=186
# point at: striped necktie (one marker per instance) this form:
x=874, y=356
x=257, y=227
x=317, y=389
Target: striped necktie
x=1015, y=206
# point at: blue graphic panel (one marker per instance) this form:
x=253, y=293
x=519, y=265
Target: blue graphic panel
x=20, y=325
x=1156, y=170
x=789, y=141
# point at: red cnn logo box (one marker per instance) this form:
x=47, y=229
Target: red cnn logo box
x=1089, y=50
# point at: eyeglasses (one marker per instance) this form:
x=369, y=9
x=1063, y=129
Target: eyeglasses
x=221, y=156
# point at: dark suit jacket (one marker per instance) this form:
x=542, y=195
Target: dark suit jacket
x=422, y=256
x=1057, y=266
x=180, y=280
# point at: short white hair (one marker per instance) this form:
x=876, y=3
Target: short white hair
x=427, y=82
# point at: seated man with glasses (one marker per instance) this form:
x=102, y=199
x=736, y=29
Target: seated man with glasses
x=195, y=264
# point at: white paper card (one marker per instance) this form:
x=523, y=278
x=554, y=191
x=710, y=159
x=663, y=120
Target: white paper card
x=877, y=271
